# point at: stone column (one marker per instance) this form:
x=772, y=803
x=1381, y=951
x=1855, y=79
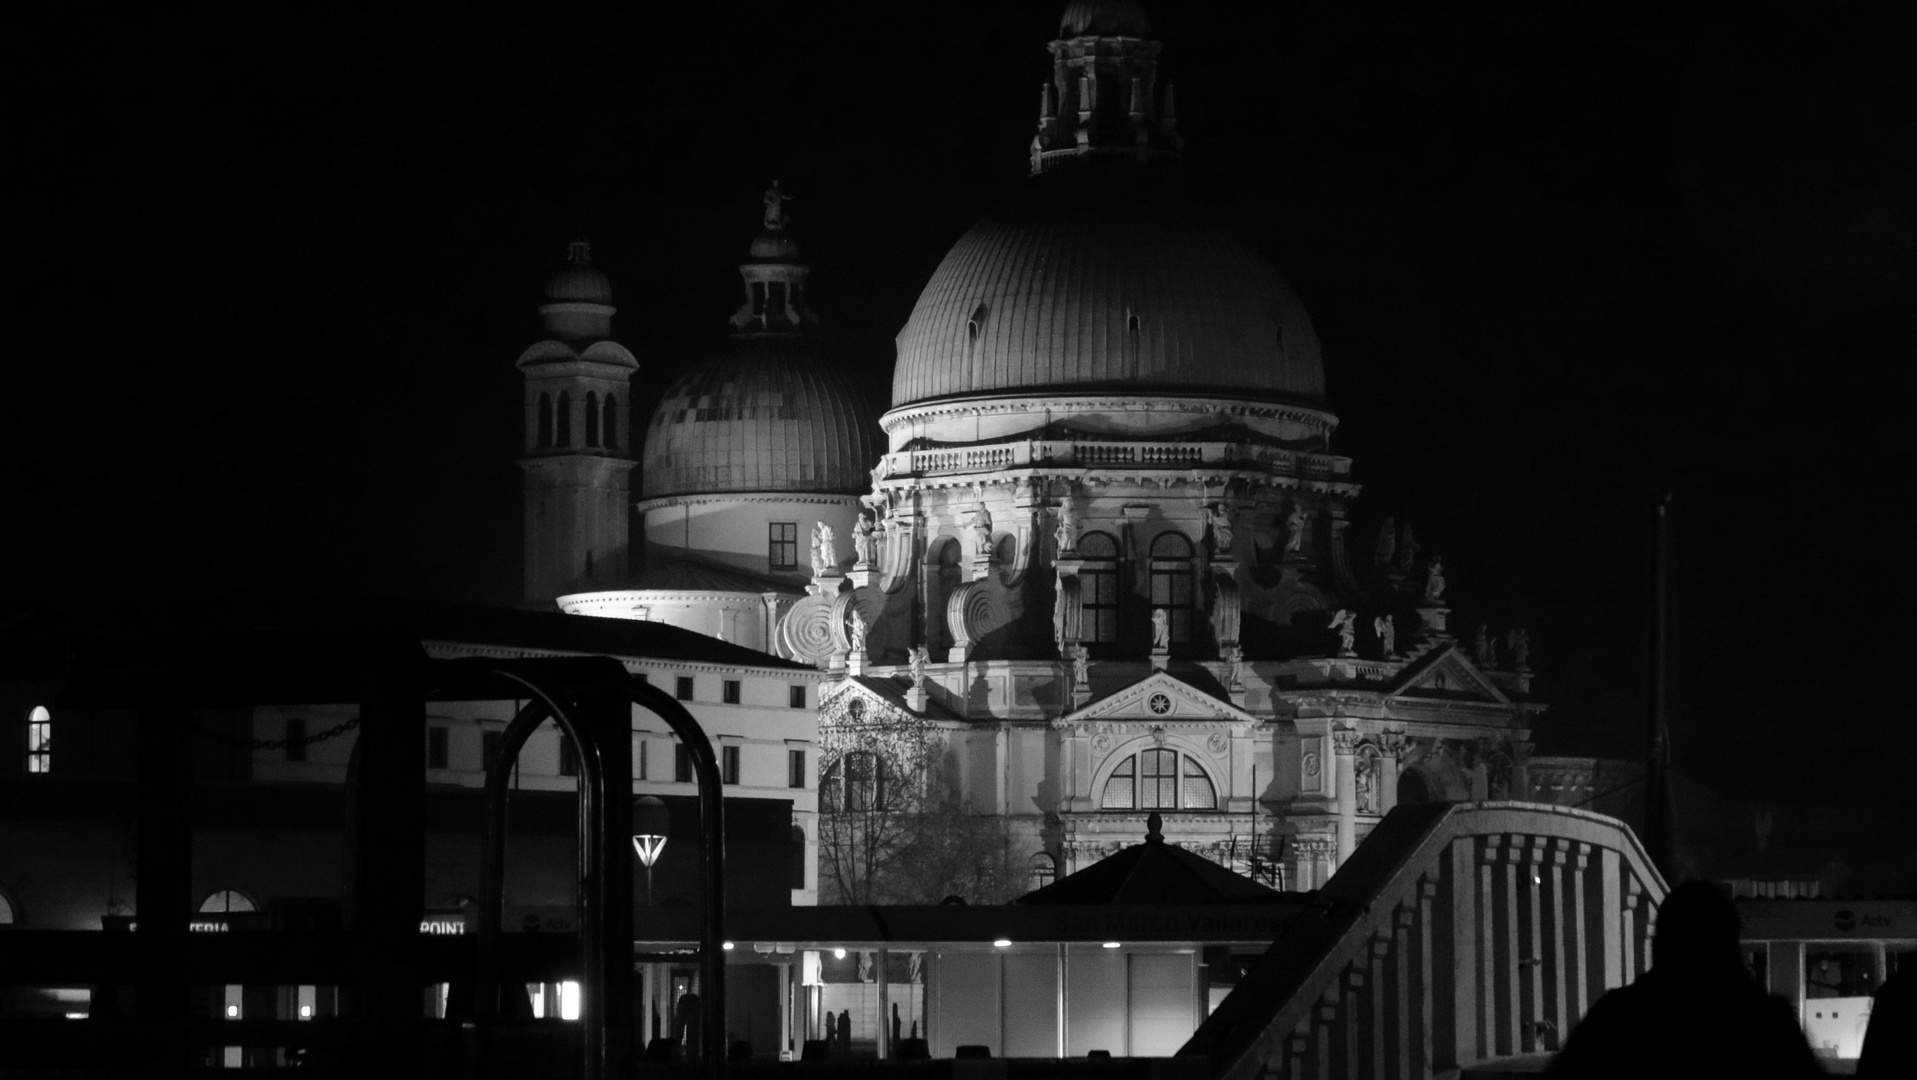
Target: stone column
x=1345, y=750
x=1392, y=743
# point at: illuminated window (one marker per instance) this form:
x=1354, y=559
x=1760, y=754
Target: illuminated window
x=782, y=545
x=728, y=764
x=729, y=691
x=39, y=740
x=592, y=418
x=1156, y=780
x=563, y=427
x=609, y=423
x=545, y=422
x=1098, y=588
x=225, y=901
x=1172, y=585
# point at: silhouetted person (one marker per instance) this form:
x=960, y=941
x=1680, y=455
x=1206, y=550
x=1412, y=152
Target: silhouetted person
x=1695, y=1013
x=845, y=1033
x=1890, y=1043
x=685, y=1025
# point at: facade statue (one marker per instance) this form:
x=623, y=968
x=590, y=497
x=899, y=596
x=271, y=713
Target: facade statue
x=1434, y=580
x=775, y=201
x=1407, y=550
x=1387, y=543
x=862, y=539
x=1485, y=648
x=1081, y=667
x=1234, y=668
x=982, y=530
x=918, y=656
x=856, y=634
x=1220, y=518
x=1519, y=642
x=1387, y=632
x=1066, y=534
x=1058, y=612
x=1161, y=630
x=1345, y=622
x=825, y=549
x=1295, y=523
x=1367, y=784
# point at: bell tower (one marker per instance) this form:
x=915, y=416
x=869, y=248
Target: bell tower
x=578, y=438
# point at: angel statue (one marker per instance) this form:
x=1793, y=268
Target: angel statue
x=1388, y=634
x=825, y=549
x=918, y=656
x=862, y=539
x=1434, y=580
x=1519, y=642
x=1345, y=622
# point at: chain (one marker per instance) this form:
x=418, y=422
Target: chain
x=336, y=730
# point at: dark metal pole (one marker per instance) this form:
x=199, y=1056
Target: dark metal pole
x=1660, y=825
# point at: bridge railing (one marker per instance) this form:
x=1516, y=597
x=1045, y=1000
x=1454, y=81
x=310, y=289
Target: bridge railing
x=1456, y=933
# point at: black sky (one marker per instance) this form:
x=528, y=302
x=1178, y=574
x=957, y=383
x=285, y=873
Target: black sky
x=272, y=267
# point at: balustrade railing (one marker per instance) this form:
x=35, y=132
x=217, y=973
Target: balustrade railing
x=1455, y=934
x=1083, y=454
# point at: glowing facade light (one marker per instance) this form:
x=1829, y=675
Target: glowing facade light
x=648, y=848
x=838, y=954
x=727, y=946
x=1002, y=943
x=232, y=1012
x=1111, y=944
x=306, y=1012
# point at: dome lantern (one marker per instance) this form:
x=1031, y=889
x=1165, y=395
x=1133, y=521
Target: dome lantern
x=1104, y=100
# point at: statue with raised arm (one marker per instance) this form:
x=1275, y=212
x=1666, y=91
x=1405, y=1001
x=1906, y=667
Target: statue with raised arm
x=1161, y=630
x=1388, y=634
x=1066, y=534
x=982, y=530
x=1434, y=580
x=1345, y=622
x=1295, y=523
x=1387, y=543
x=856, y=635
x=862, y=539
x=1519, y=642
x=825, y=548
x=775, y=201
x=1220, y=518
x=918, y=656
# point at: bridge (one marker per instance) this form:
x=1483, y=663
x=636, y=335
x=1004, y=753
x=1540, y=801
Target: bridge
x=1457, y=934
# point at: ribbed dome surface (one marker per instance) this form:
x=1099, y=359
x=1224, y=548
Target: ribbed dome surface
x=765, y=417
x=575, y=283
x=1042, y=294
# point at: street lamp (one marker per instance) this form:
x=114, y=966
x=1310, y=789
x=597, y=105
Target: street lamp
x=649, y=820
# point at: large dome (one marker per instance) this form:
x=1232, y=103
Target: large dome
x=764, y=417
x=1106, y=277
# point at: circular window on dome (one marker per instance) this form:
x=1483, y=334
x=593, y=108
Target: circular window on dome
x=1159, y=703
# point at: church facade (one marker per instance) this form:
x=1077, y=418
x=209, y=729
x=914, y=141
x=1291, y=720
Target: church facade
x=1100, y=566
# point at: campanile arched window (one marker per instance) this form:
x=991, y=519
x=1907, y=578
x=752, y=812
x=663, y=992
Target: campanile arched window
x=592, y=418
x=609, y=423
x=1172, y=584
x=1159, y=779
x=1098, y=588
x=543, y=438
x=563, y=427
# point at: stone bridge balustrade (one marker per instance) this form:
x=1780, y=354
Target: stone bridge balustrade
x=1457, y=933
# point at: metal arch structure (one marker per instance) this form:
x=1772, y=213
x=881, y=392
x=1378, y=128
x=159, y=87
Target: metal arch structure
x=599, y=723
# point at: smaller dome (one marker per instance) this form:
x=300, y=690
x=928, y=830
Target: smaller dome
x=775, y=247
x=1104, y=18
x=578, y=282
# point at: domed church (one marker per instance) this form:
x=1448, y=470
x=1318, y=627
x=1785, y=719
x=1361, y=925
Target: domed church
x=1099, y=570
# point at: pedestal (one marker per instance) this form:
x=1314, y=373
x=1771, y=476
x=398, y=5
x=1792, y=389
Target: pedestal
x=1433, y=623
x=915, y=698
x=1160, y=657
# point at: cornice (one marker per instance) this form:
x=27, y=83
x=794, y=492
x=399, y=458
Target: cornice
x=1055, y=402
x=662, y=502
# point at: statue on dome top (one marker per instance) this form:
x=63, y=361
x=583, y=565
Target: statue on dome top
x=775, y=201
x=1519, y=642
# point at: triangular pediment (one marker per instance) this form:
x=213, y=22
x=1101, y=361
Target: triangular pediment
x=1159, y=698
x=1445, y=674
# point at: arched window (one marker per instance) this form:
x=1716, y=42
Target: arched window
x=563, y=427
x=1098, y=588
x=1159, y=780
x=855, y=784
x=609, y=423
x=1172, y=587
x=592, y=418
x=224, y=901
x=545, y=422
x=39, y=740
x=795, y=868
x=7, y=914
x=1044, y=870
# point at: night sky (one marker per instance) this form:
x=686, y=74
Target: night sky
x=272, y=268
